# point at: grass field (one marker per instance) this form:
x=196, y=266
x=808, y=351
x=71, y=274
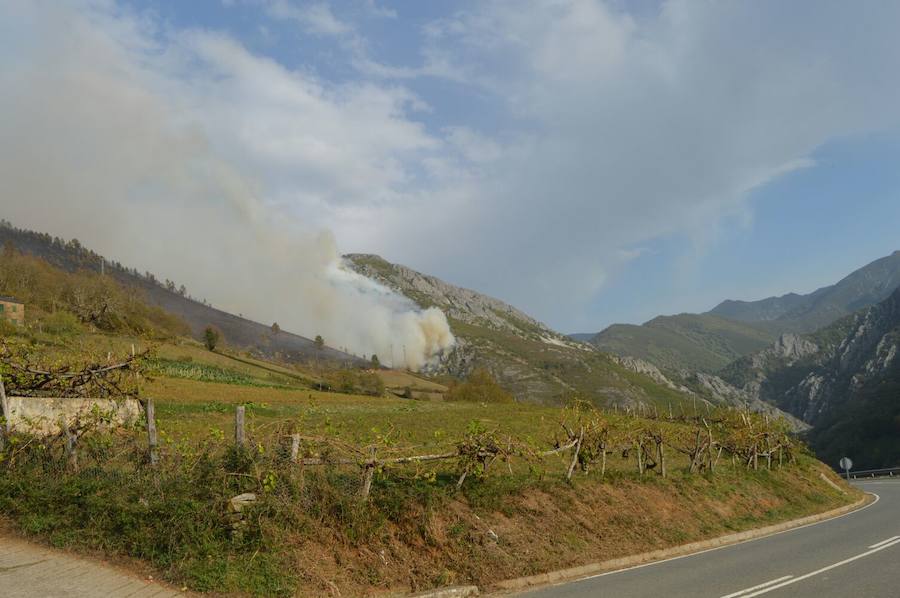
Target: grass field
x=311, y=533
x=189, y=408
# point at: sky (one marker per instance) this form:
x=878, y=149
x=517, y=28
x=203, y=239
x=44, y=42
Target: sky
x=588, y=161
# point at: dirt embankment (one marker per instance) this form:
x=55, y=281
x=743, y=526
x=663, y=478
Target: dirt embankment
x=496, y=534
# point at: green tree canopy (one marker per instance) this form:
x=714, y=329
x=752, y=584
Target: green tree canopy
x=480, y=387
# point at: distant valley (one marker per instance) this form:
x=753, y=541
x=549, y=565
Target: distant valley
x=829, y=358
x=710, y=341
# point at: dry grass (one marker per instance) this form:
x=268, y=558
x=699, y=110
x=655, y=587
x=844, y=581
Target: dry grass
x=542, y=526
x=398, y=379
x=316, y=538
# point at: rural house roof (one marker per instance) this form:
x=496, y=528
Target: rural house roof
x=10, y=299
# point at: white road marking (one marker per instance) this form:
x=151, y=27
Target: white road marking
x=884, y=542
x=759, y=587
x=822, y=570
x=723, y=547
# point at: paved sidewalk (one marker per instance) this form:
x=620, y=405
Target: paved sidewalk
x=31, y=571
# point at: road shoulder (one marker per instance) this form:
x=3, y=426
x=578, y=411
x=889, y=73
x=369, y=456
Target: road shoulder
x=647, y=558
x=29, y=570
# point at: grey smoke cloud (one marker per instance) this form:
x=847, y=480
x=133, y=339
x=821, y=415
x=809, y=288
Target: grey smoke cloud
x=106, y=139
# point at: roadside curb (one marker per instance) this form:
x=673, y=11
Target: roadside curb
x=575, y=573
x=451, y=592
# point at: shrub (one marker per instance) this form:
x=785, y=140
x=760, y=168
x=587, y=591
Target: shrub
x=211, y=337
x=356, y=382
x=7, y=328
x=480, y=387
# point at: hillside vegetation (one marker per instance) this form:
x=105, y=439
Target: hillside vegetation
x=534, y=362
x=420, y=524
x=263, y=340
x=514, y=488
x=71, y=301
x=83, y=315
x=708, y=342
x=695, y=342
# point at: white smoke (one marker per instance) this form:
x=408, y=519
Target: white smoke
x=104, y=137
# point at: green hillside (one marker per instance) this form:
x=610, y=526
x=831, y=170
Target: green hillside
x=709, y=341
x=165, y=299
x=696, y=342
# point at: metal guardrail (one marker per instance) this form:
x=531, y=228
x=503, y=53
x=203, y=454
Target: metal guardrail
x=875, y=473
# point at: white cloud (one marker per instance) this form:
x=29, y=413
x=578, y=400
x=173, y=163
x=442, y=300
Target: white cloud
x=169, y=152
x=640, y=128
x=317, y=146
x=314, y=17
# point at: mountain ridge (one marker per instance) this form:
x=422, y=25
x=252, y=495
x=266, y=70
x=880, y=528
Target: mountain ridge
x=864, y=286
x=711, y=340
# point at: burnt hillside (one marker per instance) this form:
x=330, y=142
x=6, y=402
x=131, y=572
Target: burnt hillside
x=239, y=332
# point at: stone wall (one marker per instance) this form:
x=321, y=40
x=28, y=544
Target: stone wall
x=42, y=416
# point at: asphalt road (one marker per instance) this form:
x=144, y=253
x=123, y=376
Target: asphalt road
x=855, y=555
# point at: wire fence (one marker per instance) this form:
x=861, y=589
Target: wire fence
x=586, y=440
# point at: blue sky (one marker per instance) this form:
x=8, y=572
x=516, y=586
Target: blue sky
x=589, y=162
x=806, y=230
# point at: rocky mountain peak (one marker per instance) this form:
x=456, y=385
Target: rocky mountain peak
x=456, y=302
x=793, y=347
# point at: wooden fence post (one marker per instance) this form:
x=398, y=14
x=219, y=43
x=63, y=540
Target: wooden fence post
x=71, y=441
x=661, y=455
x=368, y=474
x=4, y=412
x=295, y=447
x=575, y=455
x=640, y=457
x=239, y=426
x=152, y=437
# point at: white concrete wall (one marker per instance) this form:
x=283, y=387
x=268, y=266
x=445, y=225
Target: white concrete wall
x=42, y=416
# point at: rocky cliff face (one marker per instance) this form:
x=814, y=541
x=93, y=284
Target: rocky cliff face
x=458, y=303
x=707, y=389
x=835, y=379
x=809, y=375
x=647, y=369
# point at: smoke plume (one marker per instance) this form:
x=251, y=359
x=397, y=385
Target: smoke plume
x=108, y=133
